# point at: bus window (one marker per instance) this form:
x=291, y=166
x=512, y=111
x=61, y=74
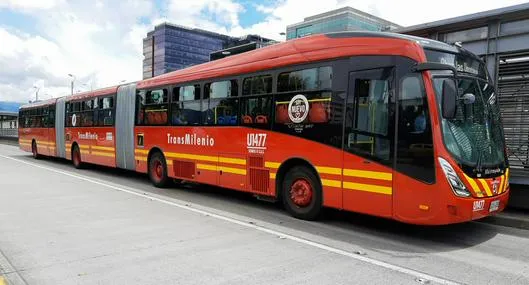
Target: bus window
x=415, y=146
x=220, y=105
x=105, y=114
x=257, y=85
x=185, y=105
x=318, y=78
x=154, y=107
x=256, y=105
x=51, y=117
x=367, y=129
x=87, y=114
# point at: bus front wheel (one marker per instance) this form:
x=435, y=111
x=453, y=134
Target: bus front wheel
x=158, y=170
x=301, y=193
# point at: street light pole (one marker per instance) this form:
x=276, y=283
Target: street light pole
x=36, y=93
x=73, y=79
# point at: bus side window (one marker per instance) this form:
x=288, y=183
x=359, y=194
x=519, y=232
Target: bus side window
x=153, y=107
x=256, y=103
x=105, y=116
x=185, y=105
x=220, y=105
x=415, y=145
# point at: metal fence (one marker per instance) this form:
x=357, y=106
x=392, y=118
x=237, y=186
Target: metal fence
x=9, y=133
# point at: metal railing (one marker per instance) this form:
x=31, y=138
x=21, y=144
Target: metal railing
x=9, y=133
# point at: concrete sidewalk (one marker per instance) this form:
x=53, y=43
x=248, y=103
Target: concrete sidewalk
x=514, y=218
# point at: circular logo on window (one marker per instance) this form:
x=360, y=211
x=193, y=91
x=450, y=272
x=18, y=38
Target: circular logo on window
x=74, y=120
x=298, y=108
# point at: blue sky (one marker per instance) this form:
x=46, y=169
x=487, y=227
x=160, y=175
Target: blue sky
x=100, y=41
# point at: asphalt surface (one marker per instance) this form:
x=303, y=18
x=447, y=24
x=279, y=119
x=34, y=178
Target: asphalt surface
x=59, y=225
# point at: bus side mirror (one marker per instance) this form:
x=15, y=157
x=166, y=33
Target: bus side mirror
x=449, y=99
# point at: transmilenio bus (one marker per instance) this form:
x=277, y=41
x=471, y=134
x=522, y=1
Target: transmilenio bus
x=377, y=123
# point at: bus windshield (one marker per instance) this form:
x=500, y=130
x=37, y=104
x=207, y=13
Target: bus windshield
x=475, y=136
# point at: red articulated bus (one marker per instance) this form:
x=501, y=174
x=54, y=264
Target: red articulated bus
x=377, y=123
x=36, y=128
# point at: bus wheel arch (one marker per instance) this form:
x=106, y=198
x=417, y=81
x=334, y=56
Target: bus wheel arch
x=299, y=188
x=157, y=168
x=34, y=149
x=76, y=156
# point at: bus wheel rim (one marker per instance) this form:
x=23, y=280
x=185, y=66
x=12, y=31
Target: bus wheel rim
x=301, y=192
x=158, y=170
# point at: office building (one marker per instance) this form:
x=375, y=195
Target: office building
x=343, y=19
x=171, y=47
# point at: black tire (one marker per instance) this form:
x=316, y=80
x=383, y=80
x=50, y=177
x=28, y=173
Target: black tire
x=76, y=157
x=158, y=170
x=34, y=150
x=306, y=209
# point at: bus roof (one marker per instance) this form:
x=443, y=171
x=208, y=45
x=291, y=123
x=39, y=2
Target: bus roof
x=94, y=93
x=298, y=51
x=39, y=104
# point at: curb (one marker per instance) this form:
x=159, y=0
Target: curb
x=507, y=219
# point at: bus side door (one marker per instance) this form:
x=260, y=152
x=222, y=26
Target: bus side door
x=368, y=141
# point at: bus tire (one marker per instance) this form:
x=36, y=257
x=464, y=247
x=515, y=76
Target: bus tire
x=35, y=150
x=76, y=157
x=301, y=193
x=158, y=170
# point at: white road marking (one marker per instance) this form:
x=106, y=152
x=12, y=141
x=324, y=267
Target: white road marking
x=396, y=268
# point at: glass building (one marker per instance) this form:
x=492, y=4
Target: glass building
x=344, y=19
x=170, y=47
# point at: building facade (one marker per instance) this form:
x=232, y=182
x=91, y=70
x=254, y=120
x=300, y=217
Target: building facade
x=9, y=119
x=344, y=19
x=501, y=38
x=170, y=47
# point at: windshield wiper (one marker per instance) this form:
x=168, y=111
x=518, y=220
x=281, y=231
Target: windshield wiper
x=479, y=163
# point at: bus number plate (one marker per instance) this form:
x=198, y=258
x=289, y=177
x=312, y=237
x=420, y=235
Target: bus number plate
x=494, y=206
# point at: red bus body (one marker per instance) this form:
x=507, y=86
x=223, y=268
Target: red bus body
x=256, y=160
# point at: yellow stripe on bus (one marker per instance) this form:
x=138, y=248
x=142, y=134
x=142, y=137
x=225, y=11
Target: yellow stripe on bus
x=192, y=156
x=85, y=152
x=506, y=180
x=141, y=151
x=206, y=167
x=270, y=164
x=232, y=160
x=485, y=186
x=368, y=188
x=331, y=183
x=272, y=175
x=232, y=170
x=474, y=185
x=99, y=153
x=84, y=146
x=105, y=148
x=24, y=144
x=329, y=170
x=141, y=158
x=502, y=180
x=368, y=174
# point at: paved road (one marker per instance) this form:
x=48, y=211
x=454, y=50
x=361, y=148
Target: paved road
x=59, y=225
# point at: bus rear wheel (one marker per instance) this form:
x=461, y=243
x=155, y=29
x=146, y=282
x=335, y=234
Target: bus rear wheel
x=76, y=157
x=301, y=193
x=34, y=150
x=158, y=170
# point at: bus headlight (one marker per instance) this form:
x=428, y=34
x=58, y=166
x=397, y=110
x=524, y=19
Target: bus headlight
x=457, y=185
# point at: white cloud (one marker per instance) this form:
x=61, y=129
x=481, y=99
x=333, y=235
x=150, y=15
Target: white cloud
x=101, y=41
x=29, y=4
